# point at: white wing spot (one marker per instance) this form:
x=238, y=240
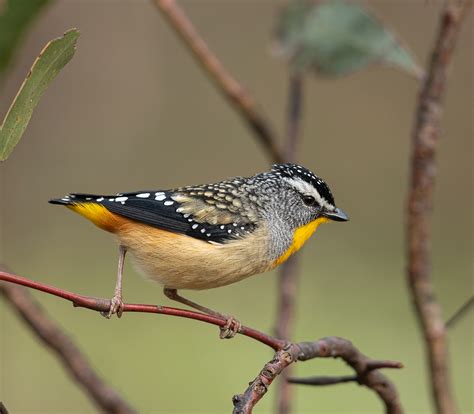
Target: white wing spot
x=160, y=196
x=203, y=230
x=208, y=234
x=195, y=226
x=168, y=203
x=100, y=199
x=229, y=231
x=121, y=199
x=143, y=195
x=222, y=227
x=186, y=215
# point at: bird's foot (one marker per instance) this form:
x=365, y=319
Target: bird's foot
x=116, y=307
x=230, y=329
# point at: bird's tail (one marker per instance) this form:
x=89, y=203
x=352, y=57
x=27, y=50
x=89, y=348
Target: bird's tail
x=90, y=206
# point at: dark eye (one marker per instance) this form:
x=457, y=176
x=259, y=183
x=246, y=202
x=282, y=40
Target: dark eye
x=309, y=200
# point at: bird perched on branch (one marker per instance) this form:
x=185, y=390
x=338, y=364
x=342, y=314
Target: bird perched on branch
x=211, y=235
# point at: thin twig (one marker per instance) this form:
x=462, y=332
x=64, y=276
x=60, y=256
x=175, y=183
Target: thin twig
x=240, y=98
x=321, y=381
x=420, y=204
x=288, y=278
x=458, y=315
x=331, y=347
x=102, y=305
x=72, y=359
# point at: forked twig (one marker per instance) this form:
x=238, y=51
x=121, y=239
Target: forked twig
x=330, y=347
x=366, y=368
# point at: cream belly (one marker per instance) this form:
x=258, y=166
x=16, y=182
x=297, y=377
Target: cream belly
x=182, y=262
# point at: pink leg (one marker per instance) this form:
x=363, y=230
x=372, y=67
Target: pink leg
x=116, y=303
x=229, y=330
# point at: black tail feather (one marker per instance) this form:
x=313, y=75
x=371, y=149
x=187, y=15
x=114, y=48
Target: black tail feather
x=60, y=201
x=76, y=198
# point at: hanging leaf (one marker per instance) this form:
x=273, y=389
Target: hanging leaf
x=15, y=16
x=337, y=38
x=49, y=63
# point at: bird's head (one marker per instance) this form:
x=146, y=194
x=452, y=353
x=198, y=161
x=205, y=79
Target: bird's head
x=296, y=201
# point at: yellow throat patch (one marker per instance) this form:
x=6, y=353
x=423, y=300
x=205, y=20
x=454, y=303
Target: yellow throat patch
x=302, y=234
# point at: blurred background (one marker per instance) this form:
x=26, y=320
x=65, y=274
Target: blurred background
x=133, y=111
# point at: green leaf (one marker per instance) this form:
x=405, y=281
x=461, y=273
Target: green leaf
x=337, y=38
x=15, y=17
x=48, y=64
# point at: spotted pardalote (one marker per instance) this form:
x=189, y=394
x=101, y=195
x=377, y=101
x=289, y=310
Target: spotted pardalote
x=210, y=235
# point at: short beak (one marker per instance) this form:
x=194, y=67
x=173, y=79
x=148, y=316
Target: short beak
x=336, y=215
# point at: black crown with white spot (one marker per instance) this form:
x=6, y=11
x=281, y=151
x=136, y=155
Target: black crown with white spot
x=293, y=170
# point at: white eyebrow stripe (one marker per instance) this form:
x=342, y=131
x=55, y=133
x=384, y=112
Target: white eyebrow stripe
x=305, y=188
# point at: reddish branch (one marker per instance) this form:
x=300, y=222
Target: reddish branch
x=102, y=305
x=288, y=278
x=74, y=362
x=420, y=204
x=366, y=371
x=241, y=100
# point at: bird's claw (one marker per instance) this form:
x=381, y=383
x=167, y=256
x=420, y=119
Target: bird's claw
x=116, y=307
x=230, y=329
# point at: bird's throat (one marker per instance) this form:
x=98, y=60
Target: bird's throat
x=300, y=236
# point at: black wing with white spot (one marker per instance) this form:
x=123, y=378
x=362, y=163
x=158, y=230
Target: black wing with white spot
x=177, y=211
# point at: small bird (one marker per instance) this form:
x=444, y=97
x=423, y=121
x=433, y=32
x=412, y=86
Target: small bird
x=210, y=235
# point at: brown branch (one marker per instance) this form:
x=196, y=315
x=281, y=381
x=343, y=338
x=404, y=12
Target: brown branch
x=288, y=278
x=457, y=316
x=331, y=347
x=420, y=204
x=102, y=305
x=3, y=409
x=72, y=359
x=239, y=98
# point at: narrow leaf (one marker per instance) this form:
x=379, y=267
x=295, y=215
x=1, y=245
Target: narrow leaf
x=48, y=64
x=15, y=17
x=337, y=38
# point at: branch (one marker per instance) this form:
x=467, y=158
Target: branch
x=457, y=316
x=72, y=359
x=102, y=305
x=330, y=347
x=366, y=369
x=420, y=204
x=320, y=380
x=288, y=278
x=239, y=98
x=3, y=409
